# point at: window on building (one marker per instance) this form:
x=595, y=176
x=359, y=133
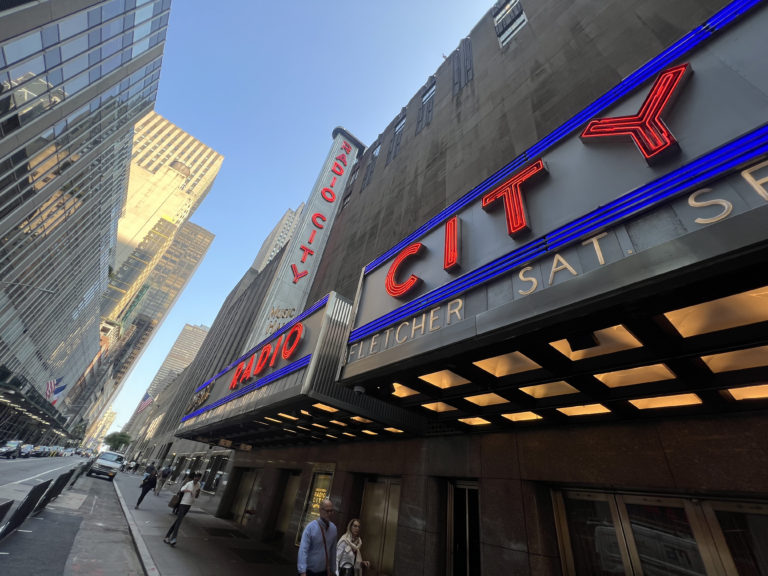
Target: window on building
x=633, y=534
x=394, y=143
x=370, y=167
x=462, y=64
x=427, y=105
x=508, y=19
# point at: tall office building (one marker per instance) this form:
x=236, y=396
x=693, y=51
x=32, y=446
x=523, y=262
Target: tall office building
x=278, y=238
x=180, y=355
x=74, y=77
x=96, y=391
x=97, y=432
x=171, y=173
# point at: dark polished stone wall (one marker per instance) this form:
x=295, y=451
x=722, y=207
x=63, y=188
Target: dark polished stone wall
x=515, y=473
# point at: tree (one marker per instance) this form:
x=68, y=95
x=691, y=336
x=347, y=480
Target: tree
x=117, y=440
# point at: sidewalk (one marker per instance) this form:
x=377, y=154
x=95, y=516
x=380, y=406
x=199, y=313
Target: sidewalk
x=207, y=546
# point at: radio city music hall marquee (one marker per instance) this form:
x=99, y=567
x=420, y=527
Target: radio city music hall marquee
x=652, y=151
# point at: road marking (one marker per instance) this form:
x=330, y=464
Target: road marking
x=94, y=503
x=27, y=531
x=33, y=477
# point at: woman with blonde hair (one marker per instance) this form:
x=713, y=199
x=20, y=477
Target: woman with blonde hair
x=350, y=561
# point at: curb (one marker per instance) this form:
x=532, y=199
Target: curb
x=150, y=569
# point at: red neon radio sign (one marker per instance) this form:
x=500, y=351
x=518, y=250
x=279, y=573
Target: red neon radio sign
x=267, y=355
x=646, y=129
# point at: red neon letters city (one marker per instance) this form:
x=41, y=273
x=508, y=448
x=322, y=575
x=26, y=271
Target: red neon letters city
x=514, y=209
x=318, y=219
x=646, y=128
x=285, y=345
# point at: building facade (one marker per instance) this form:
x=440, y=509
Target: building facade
x=180, y=355
x=278, y=238
x=74, y=77
x=538, y=344
x=158, y=251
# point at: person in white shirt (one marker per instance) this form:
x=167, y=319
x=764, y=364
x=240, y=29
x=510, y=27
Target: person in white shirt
x=189, y=492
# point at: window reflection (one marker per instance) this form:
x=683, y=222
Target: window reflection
x=747, y=538
x=593, y=538
x=22, y=47
x=73, y=25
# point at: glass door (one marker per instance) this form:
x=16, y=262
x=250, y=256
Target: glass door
x=620, y=534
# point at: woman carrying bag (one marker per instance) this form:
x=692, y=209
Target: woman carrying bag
x=189, y=492
x=348, y=555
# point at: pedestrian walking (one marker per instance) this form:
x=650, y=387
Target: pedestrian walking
x=149, y=469
x=317, y=552
x=348, y=553
x=162, y=479
x=189, y=492
x=146, y=485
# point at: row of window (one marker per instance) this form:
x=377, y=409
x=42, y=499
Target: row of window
x=43, y=68
x=508, y=19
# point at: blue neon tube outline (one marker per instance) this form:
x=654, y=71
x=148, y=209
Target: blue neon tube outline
x=284, y=371
x=718, y=162
x=683, y=46
x=317, y=305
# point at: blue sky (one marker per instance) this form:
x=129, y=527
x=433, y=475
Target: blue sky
x=265, y=84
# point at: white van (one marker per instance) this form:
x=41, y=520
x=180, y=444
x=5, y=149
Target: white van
x=106, y=464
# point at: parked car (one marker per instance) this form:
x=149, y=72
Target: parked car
x=106, y=464
x=39, y=451
x=11, y=449
x=26, y=450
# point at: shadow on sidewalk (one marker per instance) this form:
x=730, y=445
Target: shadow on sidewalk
x=206, y=545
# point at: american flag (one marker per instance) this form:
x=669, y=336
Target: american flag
x=146, y=401
x=57, y=392
x=50, y=386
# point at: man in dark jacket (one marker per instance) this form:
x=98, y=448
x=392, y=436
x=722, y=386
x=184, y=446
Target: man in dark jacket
x=146, y=485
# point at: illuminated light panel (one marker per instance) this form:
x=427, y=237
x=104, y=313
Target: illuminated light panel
x=559, y=388
x=369, y=432
x=401, y=391
x=291, y=431
x=452, y=243
x=749, y=392
x=361, y=420
x=438, y=407
x=324, y=407
x=737, y=360
x=646, y=128
x=476, y=421
x=666, y=401
x=394, y=430
x=721, y=314
x=489, y=399
x=506, y=364
x=306, y=413
x=395, y=288
x=521, y=416
x=349, y=434
x=288, y=416
x=583, y=410
x=275, y=420
x=316, y=425
x=609, y=340
x=338, y=423
x=639, y=375
x=444, y=379
x=262, y=423
x=303, y=428
x=331, y=436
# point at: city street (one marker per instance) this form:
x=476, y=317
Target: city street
x=82, y=531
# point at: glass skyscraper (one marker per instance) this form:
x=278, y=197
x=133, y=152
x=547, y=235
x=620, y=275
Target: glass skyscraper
x=74, y=78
